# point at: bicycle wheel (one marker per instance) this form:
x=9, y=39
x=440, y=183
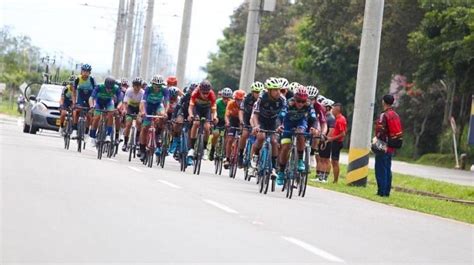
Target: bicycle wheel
x=80, y=134
x=150, y=155
x=262, y=172
x=130, y=153
x=164, y=148
x=304, y=176
x=268, y=166
x=199, y=149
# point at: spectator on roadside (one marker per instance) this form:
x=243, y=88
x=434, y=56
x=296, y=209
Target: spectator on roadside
x=336, y=138
x=388, y=129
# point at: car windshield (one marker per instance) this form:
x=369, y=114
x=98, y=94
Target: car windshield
x=50, y=93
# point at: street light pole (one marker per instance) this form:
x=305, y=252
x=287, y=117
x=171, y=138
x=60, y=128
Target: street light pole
x=358, y=168
x=183, y=42
x=148, y=31
x=247, y=73
x=118, y=42
x=129, y=44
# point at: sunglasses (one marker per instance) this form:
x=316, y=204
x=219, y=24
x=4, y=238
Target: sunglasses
x=301, y=101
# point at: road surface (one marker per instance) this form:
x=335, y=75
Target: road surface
x=64, y=206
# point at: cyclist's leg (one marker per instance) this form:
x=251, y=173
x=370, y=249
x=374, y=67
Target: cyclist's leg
x=126, y=131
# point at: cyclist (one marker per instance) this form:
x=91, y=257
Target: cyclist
x=295, y=117
x=103, y=99
x=232, y=120
x=131, y=104
x=154, y=102
x=245, y=113
x=203, y=105
x=174, y=100
x=265, y=113
x=324, y=154
x=67, y=101
x=221, y=105
x=285, y=88
x=181, y=113
x=83, y=87
x=120, y=114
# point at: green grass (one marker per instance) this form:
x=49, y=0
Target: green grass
x=452, y=210
x=8, y=109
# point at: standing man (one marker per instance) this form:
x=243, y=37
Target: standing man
x=337, y=138
x=388, y=128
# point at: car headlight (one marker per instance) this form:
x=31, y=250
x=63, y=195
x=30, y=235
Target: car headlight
x=41, y=107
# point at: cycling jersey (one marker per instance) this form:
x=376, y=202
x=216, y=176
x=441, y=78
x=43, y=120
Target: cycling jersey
x=155, y=100
x=183, y=106
x=247, y=106
x=84, y=89
x=221, y=106
x=67, y=97
x=105, y=97
x=172, y=106
x=199, y=101
x=321, y=111
x=233, y=109
x=294, y=118
x=268, y=110
x=133, y=99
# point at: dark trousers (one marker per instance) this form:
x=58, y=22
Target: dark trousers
x=383, y=173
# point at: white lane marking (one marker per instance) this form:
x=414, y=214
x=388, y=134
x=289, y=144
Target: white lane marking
x=221, y=206
x=257, y=223
x=111, y=159
x=319, y=252
x=135, y=169
x=169, y=184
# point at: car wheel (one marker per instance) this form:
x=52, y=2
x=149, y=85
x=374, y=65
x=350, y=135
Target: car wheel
x=33, y=129
x=26, y=128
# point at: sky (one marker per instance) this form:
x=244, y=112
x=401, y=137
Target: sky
x=71, y=30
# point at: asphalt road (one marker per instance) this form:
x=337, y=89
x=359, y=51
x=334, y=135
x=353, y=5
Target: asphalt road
x=63, y=206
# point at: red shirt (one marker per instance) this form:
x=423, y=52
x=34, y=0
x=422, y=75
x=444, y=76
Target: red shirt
x=381, y=127
x=203, y=102
x=339, y=127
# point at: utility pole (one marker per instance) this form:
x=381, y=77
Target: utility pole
x=147, y=36
x=247, y=72
x=118, y=42
x=358, y=168
x=129, y=43
x=137, y=42
x=184, y=42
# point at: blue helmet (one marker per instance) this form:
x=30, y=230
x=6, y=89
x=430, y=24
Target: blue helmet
x=109, y=82
x=86, y=67
x=173, y=92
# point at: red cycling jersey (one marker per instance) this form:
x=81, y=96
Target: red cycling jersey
x=203, y=102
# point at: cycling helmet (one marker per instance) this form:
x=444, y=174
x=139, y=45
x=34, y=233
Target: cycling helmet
x=301, y=93
x=137, y=81
x=72, y=79
x=272, y=83
x=327, y=103
x=257, y=86
x=86, y=67
x=174, y=91
x=226, y=92
x=293, y=86
x=64, y=83
x=320, y=98
x=312, y=91
x=283, y=82
x=192, y=87
x=205, y=86
x=171, y=81
x=144, y=84
x=124, y=82
x=109, y=82
x=239, y=94
x=157, y=80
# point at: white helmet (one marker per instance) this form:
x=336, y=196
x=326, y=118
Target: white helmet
x=293, y=86
x=283, y=82
x=158, y=80
x=312, y=91
x=320, y=98
x=226, y=92
x=327, y=103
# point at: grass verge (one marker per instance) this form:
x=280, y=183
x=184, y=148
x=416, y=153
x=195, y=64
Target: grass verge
x=6, y=108
x=452, y=210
